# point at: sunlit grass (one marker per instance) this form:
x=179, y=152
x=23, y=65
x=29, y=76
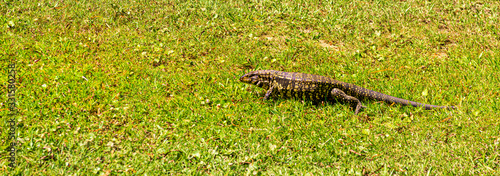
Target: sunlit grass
x=149, y=87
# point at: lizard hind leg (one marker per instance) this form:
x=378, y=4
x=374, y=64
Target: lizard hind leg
x=342, y=96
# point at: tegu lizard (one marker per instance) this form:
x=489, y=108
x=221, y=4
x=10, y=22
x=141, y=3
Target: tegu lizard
x=320, y=88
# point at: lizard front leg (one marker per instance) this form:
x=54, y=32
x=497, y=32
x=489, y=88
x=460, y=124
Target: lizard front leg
x=269, y=92
x=342, y=96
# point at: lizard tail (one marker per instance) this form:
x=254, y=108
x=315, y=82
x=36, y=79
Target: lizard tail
x=374, y=95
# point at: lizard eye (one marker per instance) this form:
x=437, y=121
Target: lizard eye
x=255, y=79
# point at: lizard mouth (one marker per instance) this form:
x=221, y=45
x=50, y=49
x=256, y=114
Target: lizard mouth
x=245, y=79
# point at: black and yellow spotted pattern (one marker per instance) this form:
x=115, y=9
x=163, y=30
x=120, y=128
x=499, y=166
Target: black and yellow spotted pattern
x=319, y=88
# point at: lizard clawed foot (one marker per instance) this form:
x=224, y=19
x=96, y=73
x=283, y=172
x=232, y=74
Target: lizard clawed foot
x=359, y=107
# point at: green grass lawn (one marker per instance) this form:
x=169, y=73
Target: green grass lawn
x=150, y=87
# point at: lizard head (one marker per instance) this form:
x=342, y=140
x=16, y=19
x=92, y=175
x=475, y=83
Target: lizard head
x=261, y=78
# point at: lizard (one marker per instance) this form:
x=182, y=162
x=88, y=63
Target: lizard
x=319, y=88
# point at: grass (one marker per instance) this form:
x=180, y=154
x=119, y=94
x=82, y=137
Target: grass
x=147, y=87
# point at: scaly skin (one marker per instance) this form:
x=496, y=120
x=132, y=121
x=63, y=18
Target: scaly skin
x=320, y=88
